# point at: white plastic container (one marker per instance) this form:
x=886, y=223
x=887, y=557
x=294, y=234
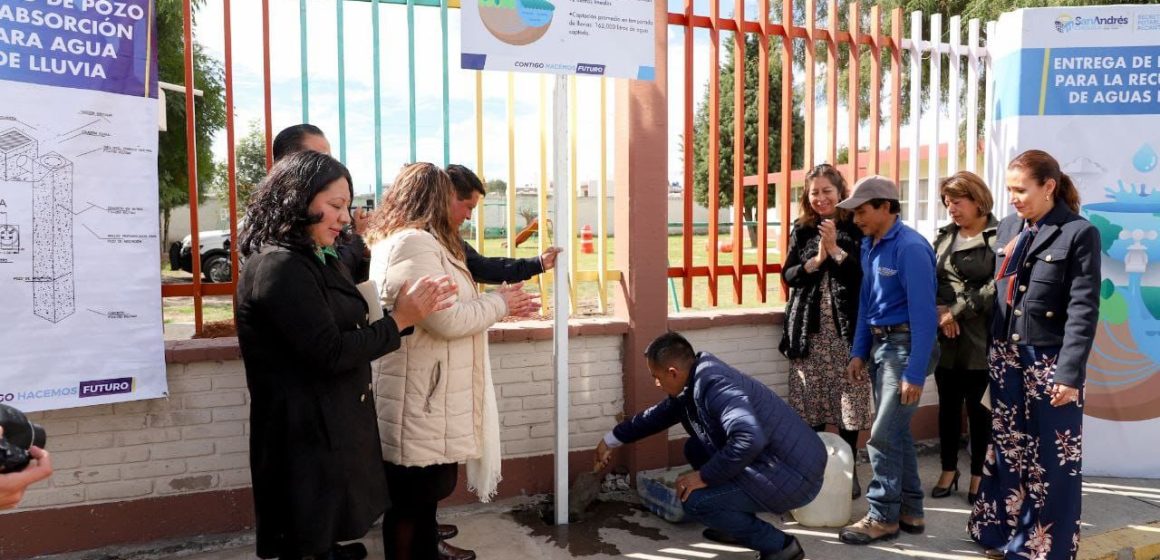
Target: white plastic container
x=832, y=506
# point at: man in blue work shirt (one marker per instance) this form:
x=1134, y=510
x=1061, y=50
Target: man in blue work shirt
x=894, y=340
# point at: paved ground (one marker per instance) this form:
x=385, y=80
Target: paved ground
x=1121, y=521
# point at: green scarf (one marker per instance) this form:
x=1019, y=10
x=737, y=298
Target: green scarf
x=322, y=252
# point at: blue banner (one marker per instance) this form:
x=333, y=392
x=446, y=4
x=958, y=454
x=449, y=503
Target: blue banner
x=100, y=45
x=1079, y=81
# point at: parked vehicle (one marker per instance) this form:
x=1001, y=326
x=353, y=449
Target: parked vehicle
x=214, y=251
x=214, y=248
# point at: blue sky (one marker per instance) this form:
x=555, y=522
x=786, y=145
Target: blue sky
x=322, y=56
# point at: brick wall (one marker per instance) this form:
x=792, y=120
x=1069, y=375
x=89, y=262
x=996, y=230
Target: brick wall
x=179, y=465
x=523, y=377
x=197, y=439
x=194, y=440
x=749, y=348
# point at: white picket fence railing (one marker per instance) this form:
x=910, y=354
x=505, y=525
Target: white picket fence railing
x=923, y=210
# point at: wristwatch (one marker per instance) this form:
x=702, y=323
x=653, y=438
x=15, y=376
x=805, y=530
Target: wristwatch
x=839, y=256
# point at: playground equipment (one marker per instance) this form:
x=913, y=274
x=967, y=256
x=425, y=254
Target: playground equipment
x=532, y=227
x=726, y=245
x=586, y=245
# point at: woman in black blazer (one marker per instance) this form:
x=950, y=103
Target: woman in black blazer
x=823, y=273
x=307, y=347
x=1047, y=304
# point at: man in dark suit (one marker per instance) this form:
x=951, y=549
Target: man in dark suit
x=469, y=192
x=751, y=451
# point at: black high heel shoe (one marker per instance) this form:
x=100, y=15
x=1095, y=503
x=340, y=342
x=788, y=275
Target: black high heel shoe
x=942, y=492
x=971, y=497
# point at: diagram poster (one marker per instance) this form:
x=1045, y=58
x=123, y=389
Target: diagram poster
x=80, y=294
x=594, y=37
x=1084, y=85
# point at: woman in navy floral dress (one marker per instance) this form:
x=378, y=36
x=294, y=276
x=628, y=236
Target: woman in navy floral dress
x=1047, y=305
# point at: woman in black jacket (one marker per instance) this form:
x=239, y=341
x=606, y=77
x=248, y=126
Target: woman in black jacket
x=307, y=347
x=823, y=272
x=1047, y=287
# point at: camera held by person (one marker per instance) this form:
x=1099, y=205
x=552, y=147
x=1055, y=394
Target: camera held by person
x=22, y=460
x=19, y=435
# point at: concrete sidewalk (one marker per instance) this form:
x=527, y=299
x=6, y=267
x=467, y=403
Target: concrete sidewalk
x=1121, y=521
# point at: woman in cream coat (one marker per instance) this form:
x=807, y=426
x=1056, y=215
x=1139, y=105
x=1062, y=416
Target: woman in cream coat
x=435, y=400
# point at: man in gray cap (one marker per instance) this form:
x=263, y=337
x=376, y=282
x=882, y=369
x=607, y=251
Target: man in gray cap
x=894, y=340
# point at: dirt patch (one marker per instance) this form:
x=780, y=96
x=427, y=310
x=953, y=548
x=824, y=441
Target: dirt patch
x=582, y=537
x=217, y=329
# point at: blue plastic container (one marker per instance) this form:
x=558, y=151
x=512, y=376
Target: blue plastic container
x=657, y=489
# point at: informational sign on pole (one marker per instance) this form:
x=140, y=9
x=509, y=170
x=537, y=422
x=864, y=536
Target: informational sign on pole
x=560, y=293
x=612, y=38
x=79, y=254
x=1083, y=84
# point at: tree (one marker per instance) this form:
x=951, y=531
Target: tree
x=251, y=159
x=249, y=167
x=529, y=214
x=725, y=153
x=496, y=186
x=172, y=170
x=983, y=10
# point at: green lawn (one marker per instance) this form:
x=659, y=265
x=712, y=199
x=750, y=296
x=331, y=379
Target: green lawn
x=214, y=308
x=220, y=308
x=588, y=300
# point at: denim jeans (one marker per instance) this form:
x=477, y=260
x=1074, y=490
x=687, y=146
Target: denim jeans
x=729, y=509
x=896, y=489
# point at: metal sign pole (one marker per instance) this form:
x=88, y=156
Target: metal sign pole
x=561, y=305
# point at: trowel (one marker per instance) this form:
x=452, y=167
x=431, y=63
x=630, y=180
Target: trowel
x=584, y=490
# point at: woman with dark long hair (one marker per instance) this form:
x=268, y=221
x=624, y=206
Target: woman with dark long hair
x=307, y=345
x=436, y=403
x=823, y=272
x=1047, y=286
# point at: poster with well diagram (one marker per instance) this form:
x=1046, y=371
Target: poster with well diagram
x=1083, y=84
x=80, y=291
x=611, y=38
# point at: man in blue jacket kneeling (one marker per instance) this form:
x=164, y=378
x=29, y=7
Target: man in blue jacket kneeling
x=751, y=452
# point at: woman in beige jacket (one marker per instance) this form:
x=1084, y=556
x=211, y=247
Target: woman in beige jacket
x=435, y=400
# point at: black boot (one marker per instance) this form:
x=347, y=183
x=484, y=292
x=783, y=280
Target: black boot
x=450, y=552
x=718, y=537
x=446, y=532
x=791, y=551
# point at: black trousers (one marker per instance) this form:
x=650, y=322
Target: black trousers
x=954, y=387
x=410, y=530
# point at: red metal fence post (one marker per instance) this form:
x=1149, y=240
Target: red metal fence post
x=191, y=160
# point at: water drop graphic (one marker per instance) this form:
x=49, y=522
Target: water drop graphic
x=1145, y=159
